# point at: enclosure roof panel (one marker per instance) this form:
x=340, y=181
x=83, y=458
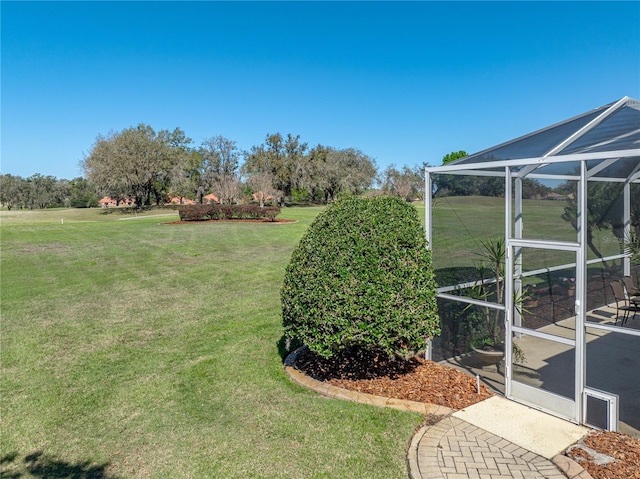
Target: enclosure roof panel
x=533, y=144
x=619, y=131
x=609, y=132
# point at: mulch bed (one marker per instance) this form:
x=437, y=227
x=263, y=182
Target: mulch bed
x=376, y=373
x=426, y=381
x=623, y=451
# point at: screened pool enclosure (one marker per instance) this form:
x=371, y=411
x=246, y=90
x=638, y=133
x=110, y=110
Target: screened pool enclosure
x=528, y=240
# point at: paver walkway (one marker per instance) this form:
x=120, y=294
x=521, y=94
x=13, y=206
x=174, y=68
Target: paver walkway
x=456, y=449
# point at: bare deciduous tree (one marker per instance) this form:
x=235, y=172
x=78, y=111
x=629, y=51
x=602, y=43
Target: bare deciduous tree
x=220, y=160
x=262, y=186
x=406, y=183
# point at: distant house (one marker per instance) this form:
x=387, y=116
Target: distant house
x=260, y=195
x=179, y=200
x=558, y=197
x=211, y=198
x=108, y=202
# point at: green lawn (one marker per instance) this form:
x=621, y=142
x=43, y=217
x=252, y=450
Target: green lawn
x=151, y=350
x=460, y=223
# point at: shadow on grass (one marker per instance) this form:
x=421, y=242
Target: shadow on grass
x=39, y=464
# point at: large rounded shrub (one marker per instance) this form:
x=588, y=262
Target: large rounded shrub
x=361, y=277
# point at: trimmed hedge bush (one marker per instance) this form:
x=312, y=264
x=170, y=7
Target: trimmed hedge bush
x=361, y=276
x=227, y=212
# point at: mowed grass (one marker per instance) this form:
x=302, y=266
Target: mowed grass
x=460, y=224
x=135, y=348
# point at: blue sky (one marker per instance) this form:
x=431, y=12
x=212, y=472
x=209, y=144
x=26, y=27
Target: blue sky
x=403, y=82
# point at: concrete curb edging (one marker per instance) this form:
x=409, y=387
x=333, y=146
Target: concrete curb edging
x=336, y=392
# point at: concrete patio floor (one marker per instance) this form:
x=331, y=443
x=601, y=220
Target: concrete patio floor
x=613, y=364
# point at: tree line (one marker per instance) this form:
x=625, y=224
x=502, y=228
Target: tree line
x=39, y=191
x=151, y=167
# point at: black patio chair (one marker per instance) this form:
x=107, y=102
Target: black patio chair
x=632, y=290
x=623, y=304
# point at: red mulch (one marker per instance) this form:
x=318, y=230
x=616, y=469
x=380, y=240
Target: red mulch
x=624, y=449
x=376, y=373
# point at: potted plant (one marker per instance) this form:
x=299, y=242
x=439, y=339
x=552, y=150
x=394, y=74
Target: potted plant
x=488, y=343
x=488, y=335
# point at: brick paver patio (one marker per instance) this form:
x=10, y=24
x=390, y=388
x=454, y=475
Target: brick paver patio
x=455, y=449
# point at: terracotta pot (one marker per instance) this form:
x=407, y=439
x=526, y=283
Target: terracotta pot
x=490, y=357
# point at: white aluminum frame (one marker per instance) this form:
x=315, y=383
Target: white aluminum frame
x=514, y=241
x=520, y=392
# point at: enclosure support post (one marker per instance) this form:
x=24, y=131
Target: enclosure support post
x=517, y=317
x=627, y=225
x=508, y=282
x=428, y=354
x=427, y=207
x=581, y=293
